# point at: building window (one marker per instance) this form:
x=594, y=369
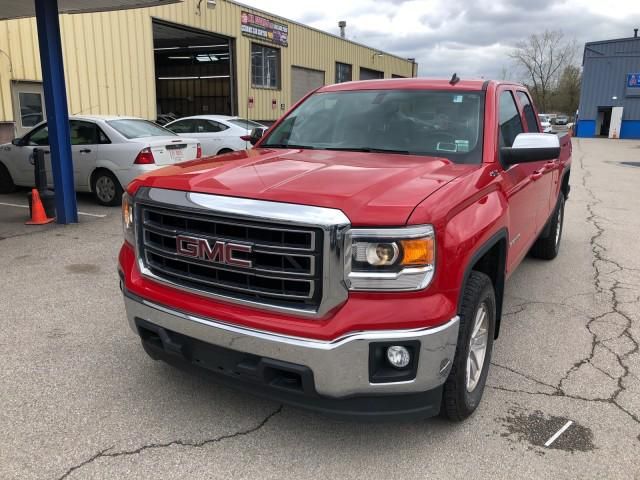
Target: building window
x=343, y=72
x=265, y=66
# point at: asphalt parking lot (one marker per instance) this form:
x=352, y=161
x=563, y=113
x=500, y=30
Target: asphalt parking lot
x=80, y=399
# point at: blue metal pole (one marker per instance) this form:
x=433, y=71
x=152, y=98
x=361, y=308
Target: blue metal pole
x=55, y=97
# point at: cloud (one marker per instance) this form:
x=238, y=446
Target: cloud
x=472, y=38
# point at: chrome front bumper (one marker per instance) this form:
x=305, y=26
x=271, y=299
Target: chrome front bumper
x=340, y=367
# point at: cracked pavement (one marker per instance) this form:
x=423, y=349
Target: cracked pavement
x=80, y=399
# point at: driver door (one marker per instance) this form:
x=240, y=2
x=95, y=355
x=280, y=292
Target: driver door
x=21, y=157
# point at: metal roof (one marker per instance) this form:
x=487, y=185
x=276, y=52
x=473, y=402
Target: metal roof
x=12, y=9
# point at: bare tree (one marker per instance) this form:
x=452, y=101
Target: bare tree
x=543, y=57
x=505, y=74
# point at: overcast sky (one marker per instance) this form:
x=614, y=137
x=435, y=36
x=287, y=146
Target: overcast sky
x=469, y=37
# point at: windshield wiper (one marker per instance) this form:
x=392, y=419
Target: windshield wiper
x=289, y=145
x=368, y=150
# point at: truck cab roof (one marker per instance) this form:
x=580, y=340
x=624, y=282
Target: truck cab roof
x=414, y=84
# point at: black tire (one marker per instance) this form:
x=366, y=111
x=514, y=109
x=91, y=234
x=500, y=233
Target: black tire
x=457, y=401
x=547, y=247
x=106, y=188
x=6, y=182
x=224, y=150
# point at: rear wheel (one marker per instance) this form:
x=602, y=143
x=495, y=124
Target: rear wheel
x=106, y=188
x=225, y=150
x=6, y=182
x=547, y=247
x=465, y=385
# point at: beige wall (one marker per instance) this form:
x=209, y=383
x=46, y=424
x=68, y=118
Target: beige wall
x=109, y=61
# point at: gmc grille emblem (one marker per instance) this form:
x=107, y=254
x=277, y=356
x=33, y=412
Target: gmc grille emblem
x=219, y=252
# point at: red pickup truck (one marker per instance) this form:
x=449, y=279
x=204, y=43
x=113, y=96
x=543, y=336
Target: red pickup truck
x=354, y=261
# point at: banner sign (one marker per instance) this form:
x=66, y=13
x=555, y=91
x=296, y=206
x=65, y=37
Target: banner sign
x=633, y=80
x=264, y=29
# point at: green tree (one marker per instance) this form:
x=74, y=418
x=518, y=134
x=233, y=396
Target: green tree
x=567, y=96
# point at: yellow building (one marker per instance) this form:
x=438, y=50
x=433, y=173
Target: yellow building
x=188, y=58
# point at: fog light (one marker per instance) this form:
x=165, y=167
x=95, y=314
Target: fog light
x=398, y=356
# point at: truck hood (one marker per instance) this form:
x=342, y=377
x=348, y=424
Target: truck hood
x=370, y=188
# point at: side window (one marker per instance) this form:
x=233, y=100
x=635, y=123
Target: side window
x=83, y=133
x=215, y=126
x=510, y=124
x=39, y=137
x=102, y=137
x=183, y=126
x=529, y=114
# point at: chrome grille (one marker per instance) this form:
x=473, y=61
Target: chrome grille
x=296, y=256
x=285, y=266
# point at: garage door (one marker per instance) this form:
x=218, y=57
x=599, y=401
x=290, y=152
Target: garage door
x=303, y=80
x=368, y=74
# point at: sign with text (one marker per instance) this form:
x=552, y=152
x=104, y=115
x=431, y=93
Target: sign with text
x=264, y=29
x=633, y=85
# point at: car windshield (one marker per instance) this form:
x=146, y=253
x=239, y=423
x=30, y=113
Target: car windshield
x=413, y=122
x=134, y=128
x=243, y=123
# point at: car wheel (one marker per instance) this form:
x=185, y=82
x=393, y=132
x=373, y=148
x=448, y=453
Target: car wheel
x=6, y=182
x=225, y=150
x=106, y=188
x=465, y=384
x=547, y=247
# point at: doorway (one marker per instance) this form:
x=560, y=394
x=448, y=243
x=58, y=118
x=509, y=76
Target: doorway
x=28, y=105
x=603, y=122
x=194, y=72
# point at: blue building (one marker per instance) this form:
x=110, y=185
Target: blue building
x=610, y=95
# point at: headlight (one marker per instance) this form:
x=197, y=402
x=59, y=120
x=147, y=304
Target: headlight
x=128, y=225
x=397, y=259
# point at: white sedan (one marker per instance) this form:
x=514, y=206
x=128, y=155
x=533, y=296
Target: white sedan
x=216, y=133
x=107, y=152
x=545, y=123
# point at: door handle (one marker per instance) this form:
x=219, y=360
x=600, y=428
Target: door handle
x=537, y=174
x=47, y=152
x=85, y=150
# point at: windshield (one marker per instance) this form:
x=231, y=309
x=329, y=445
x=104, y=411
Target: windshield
x=413, y=122
x=133, y=128
x=248, y=124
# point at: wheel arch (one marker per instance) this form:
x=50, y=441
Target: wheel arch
x=565, y=188
x=491, y=259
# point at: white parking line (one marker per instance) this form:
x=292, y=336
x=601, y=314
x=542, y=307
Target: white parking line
x=558, y=433
x=27, y=206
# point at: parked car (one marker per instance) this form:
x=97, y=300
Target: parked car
x=545, y=123
x=165, y=118
x=216, y=133
x=562, y=120
x=107, y=153
x=354, y=261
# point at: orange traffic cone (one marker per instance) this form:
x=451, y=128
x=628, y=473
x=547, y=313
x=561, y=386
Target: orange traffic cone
x=38, y=215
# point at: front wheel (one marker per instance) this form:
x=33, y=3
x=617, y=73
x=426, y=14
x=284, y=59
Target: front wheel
x=465, y=385
x=106, y=188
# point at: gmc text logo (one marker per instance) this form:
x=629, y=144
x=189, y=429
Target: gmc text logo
x=219, y=252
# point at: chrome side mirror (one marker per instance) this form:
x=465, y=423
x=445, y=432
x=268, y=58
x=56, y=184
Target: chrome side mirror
x=531, y=147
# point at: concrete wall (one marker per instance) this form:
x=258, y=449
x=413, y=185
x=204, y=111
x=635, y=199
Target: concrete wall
x=109, y=61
